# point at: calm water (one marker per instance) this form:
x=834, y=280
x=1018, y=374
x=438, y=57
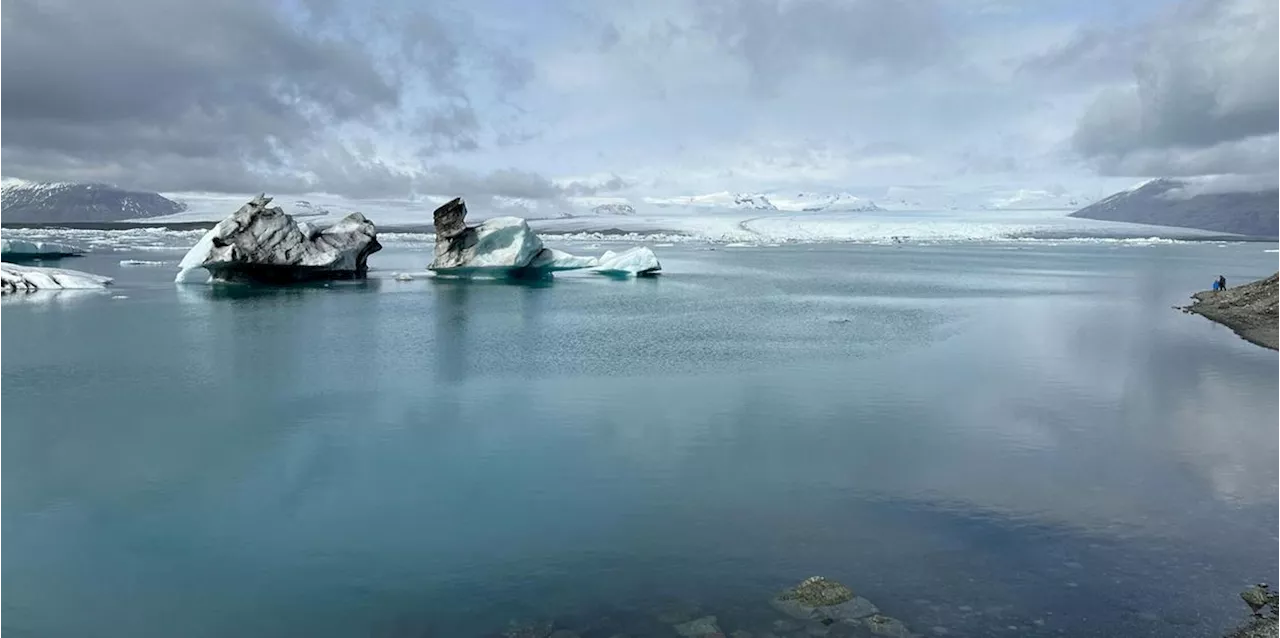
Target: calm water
x=995, y=439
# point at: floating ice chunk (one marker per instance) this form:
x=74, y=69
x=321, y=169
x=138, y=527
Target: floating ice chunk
x=504, y=241
x=15, y=278
x=191, y=268
x=259, y=243
x=506, y=247
x=551, y=259
x=501, y=242
x=23, y=249
x=143, y=262
x=404, y=276
x=638, y=262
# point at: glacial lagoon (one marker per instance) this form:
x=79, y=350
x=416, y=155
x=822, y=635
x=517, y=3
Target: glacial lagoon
x=983, y=438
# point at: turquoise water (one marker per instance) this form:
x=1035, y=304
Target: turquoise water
x=987, y=439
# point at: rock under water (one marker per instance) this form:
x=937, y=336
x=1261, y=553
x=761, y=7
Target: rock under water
x=265, y=245
x=15, y=278
x=819, y=598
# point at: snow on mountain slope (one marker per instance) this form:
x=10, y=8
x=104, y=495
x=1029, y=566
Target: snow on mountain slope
x=813, y=202
x=22, y=201
x=722, y=199
x=614, y=209
x=304, y=208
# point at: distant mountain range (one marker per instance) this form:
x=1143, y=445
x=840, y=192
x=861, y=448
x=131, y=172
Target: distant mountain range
x=1171, y=202
x=304, y=208
x=614, y=209
x=817, y=202
x=69, y=202
x=783, y=202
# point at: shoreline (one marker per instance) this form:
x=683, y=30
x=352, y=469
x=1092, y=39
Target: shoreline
x=1248, y=310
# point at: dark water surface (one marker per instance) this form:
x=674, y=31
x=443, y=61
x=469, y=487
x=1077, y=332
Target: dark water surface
x=1000, y=439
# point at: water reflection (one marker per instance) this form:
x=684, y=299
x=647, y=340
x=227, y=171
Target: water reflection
x=321, y=461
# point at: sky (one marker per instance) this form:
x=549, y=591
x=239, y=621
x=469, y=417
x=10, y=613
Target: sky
x=542, y=100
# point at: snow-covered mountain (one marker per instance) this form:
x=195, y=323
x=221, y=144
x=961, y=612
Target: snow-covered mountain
x=1173, y=202
x=813, y=202
x=743, y=201
x=305, y=208
x=1034, y=199
x=22, y=201
x=721, y=200
x=614, y=209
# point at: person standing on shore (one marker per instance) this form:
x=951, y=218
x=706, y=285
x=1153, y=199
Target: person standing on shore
x=1222, y=282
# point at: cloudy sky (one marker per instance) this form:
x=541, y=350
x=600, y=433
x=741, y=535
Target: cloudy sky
x=546, y=100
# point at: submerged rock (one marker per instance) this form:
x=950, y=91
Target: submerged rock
x=528, y=629
x=1257, y=628
x=881, y=625
x=704, y=627
x=262, y=244
x=15, y=278
x=819, y=598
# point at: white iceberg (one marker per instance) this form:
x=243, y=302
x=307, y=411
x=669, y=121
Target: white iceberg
x=257, y=243
x=552, y=260
x=506, y=247
x=504, y=242
x=15, y=278
x=634, y=262
x=23, y=249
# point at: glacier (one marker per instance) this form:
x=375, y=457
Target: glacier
x=15, y=278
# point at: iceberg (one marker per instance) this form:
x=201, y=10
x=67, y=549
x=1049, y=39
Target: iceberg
x=502, y=246
x=552, y=260
x=262, y=244
x=633, y=262
x=506, y=247
x=22, y=250
x=15, y=278
x=501, y=242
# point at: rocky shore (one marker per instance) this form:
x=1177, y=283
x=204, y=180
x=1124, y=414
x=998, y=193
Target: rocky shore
x=1249, y=310
x=817, y=607
x=1256, y=628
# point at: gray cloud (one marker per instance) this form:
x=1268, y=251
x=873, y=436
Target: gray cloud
x=1093, y=54
x=510, y=183
x=228, y=96
x=776, y=37
x=1205, y=88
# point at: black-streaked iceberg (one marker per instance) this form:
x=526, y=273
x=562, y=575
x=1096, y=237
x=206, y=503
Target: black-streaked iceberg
x=265, y=245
